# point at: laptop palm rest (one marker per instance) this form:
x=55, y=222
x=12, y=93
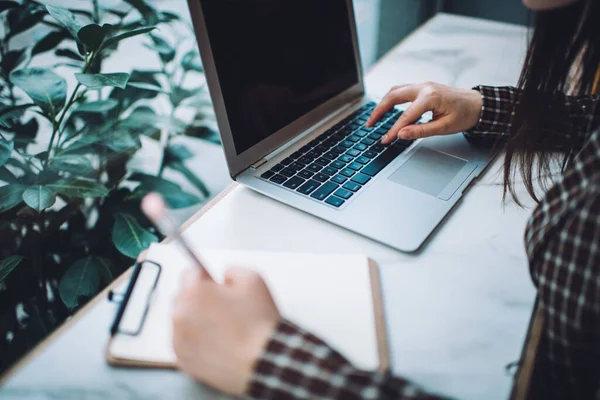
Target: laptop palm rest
x=434, y=173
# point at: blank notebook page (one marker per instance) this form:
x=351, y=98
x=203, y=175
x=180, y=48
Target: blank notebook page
x=328, y=295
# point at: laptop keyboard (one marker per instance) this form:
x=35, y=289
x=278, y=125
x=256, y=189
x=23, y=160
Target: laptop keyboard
x=336, y=165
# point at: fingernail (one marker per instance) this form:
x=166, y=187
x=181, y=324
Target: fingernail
x=404, y=134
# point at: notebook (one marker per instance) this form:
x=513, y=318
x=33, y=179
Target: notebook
x=336, y=297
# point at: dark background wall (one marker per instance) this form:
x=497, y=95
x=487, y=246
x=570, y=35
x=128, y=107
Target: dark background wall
x=400, y=17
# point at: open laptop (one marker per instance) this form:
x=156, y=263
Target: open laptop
x=286, y=82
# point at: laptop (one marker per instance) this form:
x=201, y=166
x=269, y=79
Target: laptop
x=286, y=81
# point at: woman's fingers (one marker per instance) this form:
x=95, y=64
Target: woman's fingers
x=411, y=115
x=397, y=95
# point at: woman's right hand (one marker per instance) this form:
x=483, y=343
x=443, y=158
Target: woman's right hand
x=454, y=110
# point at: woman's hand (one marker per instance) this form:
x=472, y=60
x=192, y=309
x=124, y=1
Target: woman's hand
x=454, y=110
x=219, y=331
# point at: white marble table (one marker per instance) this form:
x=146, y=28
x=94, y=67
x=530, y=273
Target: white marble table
x=457, y=311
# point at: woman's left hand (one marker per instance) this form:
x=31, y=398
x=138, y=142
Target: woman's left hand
x=220, y=330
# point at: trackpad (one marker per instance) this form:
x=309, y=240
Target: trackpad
x=432, y=172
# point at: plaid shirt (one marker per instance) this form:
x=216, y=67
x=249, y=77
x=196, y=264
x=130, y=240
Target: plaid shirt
x=563, y=245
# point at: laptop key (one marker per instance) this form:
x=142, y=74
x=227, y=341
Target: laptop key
x=375, y=136
x=321, y=177
x=338, y=164
x=338, y=149
x=360, y=147
x=353, y=138
x=334, y=201
x=329, y=171
x=347, y=172
x=367, y=141
x=294, y=182
x=345, y=158
x=361, y=179
x=339, y=179
x=355, y=166
x=352, y=186
x=378, y=147
x=314, y=167
x=330, y=156
x=305, y=159
x=267, y=174
x=370, y=154
x=322, y=161
x=347, y=144
x=324, y=191
x=382, y=160
x=308, y=187
x=287, y=161
x=278, y=179
x=343, y=193
x=363, y=160
x=305, y=174
x=298, y=165
x=353, y=152
x=362, y=132
x=289, y=172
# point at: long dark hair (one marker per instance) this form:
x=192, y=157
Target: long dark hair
x=563, y=57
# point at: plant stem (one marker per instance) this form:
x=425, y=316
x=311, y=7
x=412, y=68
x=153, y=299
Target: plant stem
x=56, y=126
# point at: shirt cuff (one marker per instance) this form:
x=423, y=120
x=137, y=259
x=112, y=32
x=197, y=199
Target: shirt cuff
x=496, y=112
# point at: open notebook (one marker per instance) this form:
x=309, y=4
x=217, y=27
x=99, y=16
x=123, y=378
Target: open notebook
x=336, y=297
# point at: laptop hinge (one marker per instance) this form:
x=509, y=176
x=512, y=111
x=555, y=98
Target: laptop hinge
x=259, y=163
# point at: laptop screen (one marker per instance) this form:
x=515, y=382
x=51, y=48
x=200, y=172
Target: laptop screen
x=277, y=60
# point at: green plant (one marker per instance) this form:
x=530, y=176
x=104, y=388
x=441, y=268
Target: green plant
x=69, y=205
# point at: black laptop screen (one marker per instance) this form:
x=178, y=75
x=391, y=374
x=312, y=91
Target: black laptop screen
x=277, y=60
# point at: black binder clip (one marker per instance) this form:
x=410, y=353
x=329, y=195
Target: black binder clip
x=140, y=269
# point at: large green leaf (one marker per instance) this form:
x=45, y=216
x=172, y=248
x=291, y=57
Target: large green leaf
x=83, y=279
x=100, y=106
x=75, y=163
x=7, y=265
x=65, y=17
x=7, y=5
x=11, y=196
x=116, y=39
x=47, y=89
x=93, y=35
x=129, y=237
x=99, y=81
x=79, y=188
x=39, y=197
x=6, y=149
x=48, y=42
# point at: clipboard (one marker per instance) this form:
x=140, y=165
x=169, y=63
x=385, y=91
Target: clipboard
x=364, y=317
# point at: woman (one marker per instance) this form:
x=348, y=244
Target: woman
x=232, y=337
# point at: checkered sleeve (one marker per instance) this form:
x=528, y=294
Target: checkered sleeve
x=568, y=278
x=297, y=365
x=496, y=112
x=568, y=119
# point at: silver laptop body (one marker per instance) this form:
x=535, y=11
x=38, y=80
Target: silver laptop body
x=403, y=203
